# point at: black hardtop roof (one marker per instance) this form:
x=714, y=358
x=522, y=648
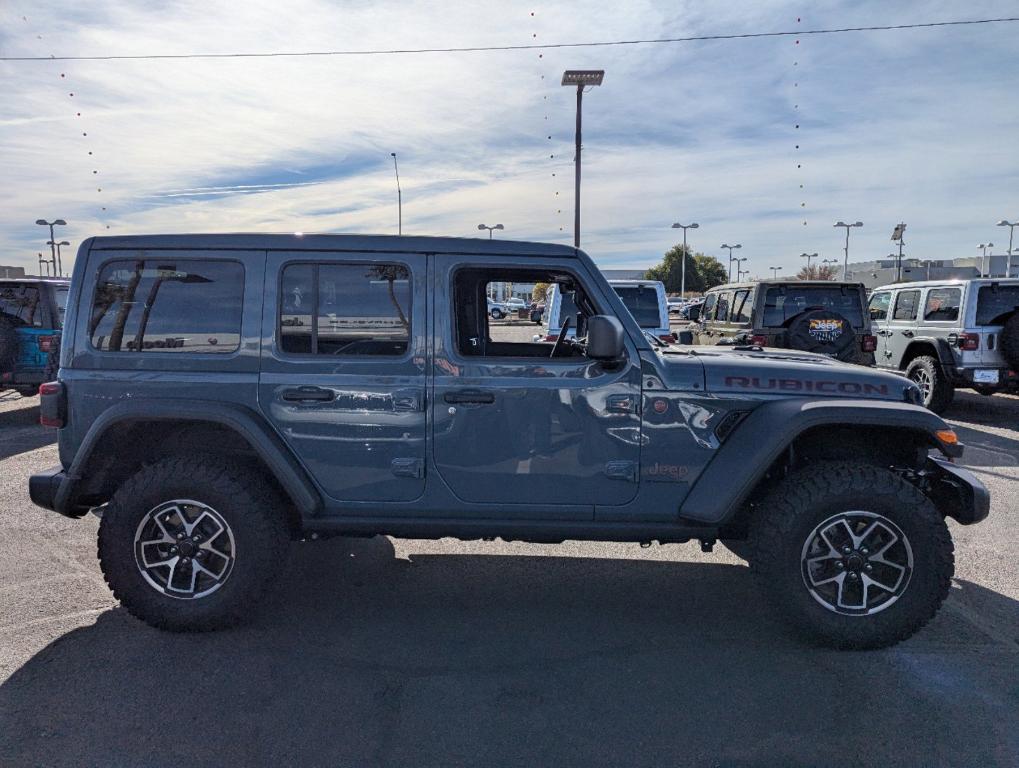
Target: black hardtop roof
x=337, y=242
x=770, y=282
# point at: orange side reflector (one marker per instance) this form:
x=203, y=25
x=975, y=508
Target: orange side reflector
x=947, y=436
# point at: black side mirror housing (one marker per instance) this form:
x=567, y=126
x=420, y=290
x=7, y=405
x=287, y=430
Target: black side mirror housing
x=604, y=338
x=694, y=314
x=686, y=338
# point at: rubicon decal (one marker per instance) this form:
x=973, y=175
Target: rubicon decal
x=807, y=385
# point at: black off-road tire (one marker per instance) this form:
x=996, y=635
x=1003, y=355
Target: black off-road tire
x=1009, y=341
x=256, y=518
x=792, y=511
x=938, y=394
x=8, y=345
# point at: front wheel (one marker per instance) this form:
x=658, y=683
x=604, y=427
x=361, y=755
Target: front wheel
x=496, y=314
x=854, y=556
x=192, y=544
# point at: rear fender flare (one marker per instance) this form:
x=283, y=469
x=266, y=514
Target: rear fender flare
x=269, y=447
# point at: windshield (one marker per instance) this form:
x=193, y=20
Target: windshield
x=642, y=301
x=784, y=302
x=995, y=303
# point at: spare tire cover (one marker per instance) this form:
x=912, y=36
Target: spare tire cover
x=1009, y=341
x=8, y=345
x=823, y=331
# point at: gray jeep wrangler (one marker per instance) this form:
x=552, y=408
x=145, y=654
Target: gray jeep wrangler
x=945, y=334
x=219, y=396
x=823, y=316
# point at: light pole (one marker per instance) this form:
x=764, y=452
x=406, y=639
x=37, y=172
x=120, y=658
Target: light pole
x=775, y=271
x=52, y=240
x=497, y=226
x=739, y=267
x=808, y=257
x=579, y=78
x=58, y=266
x=731, y=249
x=682, y=274
x=43, y=263
x=898, y=234
x=845, y=268
x=399, y=196
x=983, y=259
x=1011, y=230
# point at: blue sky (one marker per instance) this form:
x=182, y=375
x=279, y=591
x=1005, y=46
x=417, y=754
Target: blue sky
x=916, y=125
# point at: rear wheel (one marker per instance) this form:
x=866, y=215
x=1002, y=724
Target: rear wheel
x=192, y=544
x=937, y=390
x=854, y=556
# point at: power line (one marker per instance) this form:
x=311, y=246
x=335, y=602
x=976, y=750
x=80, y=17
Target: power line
x=491, y=48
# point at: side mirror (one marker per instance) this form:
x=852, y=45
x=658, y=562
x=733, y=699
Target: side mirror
x=694, y=314
x=686, y=338
x=604, y=338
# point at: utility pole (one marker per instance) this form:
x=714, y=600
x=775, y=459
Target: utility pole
x=579, y=78
x=682, y=278
x=899, y=234
x=399, y=197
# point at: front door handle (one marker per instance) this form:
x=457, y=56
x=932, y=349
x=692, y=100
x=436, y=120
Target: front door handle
x=469, y=396
x=308, y=395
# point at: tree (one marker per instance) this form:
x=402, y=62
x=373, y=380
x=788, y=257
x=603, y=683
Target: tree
x=702, y=272
x=815, y=272
x=540, y=292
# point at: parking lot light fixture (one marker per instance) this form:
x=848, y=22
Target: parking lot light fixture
x=1011, y=230
x=984, y=266
x=808, y=257
x=731, y=259
x=51, y=242
x=581, y=78
x=775, y=271
x=490, y=229
x=845, y=268
x=682, y=273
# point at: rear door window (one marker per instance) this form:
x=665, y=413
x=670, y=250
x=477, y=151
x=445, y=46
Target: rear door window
x=942, y=304
x=722, y=309
x=782, y=303
x=742, y=307
x=995, y=303
x=167, y=306
x=345, y=309
x=906, y=304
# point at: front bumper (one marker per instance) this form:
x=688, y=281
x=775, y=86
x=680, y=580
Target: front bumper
x=957, y=493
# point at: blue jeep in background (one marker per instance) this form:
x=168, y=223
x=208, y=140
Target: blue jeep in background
x=219, y=395
x=31, y=322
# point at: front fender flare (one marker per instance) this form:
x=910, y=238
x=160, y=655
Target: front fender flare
x=263, y=441
x=746, y=455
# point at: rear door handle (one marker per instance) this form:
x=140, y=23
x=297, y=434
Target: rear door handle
x=308, y=395
x=475, y=396
x=908, y=334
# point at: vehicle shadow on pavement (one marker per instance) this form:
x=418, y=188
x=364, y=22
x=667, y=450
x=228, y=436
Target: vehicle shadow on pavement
x=363, y=658
x=20, y=432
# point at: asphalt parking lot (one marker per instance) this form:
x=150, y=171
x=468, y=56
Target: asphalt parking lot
x=393, y=652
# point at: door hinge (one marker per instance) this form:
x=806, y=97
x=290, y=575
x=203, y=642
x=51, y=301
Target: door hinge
x=407, y=467
x=621, y=470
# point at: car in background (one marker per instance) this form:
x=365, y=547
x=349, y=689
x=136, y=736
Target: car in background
x=946, y=334
x=647, y=303
x=691, y=306
x=675, y=304
x=497, y=310
x=31, y=322
x=822, y=316
x=515, y=304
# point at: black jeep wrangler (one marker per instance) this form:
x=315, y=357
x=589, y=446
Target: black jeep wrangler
x=221, y=395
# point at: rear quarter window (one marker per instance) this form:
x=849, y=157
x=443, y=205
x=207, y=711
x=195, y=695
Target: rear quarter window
x=168, y=306
x=996, y=303
x=21, y=304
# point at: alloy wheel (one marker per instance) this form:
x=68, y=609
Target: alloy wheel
x=856, y=563
x=184, y=549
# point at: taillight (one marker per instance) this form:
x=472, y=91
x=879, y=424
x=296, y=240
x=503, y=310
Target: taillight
x=668, y=338
x=551, y=337
x=969, y=342
x=52, y=405
x=869, y=343
x=759, y=340
x=46, y=343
